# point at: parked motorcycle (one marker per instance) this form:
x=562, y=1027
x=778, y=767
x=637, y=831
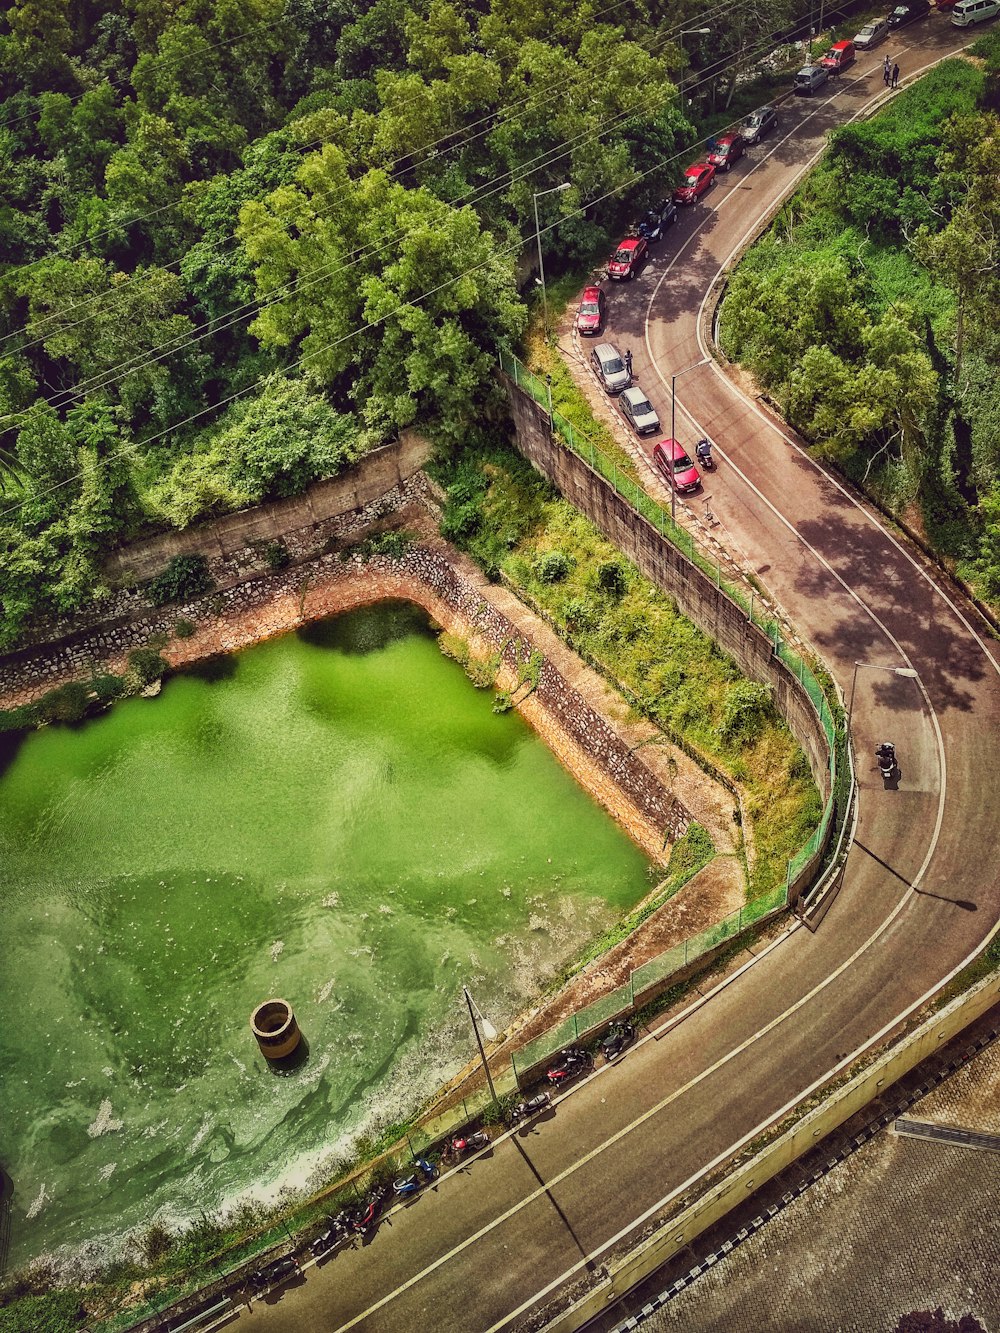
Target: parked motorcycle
x=571, y=1062
x=616, y=1039
x=273, y=1273
x=369, y=1211
x=464, y=1143
x=531, y=1106
x=703, y=452
x=885, y=755
x=327, y=1239
x=409, y=1184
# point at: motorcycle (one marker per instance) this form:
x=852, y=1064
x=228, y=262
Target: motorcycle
x=703, y=452
x=571, y=1062
x=409, y=1184
x=618, y=1036
x=885, y=755
x=368, y=1212
x=272, y=1273
x=531, y=1106
x=464, y=1143
x=326, y=1240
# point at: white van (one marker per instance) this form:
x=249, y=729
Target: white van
x=967, y=12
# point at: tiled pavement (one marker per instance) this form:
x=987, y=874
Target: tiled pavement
x=901, y=1225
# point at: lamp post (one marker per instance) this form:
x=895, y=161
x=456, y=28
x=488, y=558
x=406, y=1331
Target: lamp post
x=907, y=672
x=489, y=1032
x=556, y=189
x=673, y=419
x=689, y=32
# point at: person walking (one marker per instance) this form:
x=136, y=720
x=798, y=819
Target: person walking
x=628, y=359
x=886, y=71
x=895, y=76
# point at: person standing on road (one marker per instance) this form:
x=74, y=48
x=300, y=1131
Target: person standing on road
x=895, y=75
x=886, y=71
x=628, y=359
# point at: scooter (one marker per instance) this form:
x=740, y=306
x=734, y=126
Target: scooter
x=703, y=452
x=464, y=1143
x=571, y=1062
x=885, y=754
x=327, y=1239
x=524, y=1110
x=368, y=1212
x=404, y=1185
x=618, y=1036
x=272, y=1273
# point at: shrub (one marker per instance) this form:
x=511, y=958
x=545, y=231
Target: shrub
x=185, y=577
x=552, y=567
x=66, y=703
x=156, y=1242
x=108, y=686
x=395, y=543
x=747, y=709
x=147, y=665
x=612, y=579
x=461, y=522
x=183, y=628
x=276, y=555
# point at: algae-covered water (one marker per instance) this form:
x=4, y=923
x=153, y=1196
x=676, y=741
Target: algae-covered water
x=337, y=818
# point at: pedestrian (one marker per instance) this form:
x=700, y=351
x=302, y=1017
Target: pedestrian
x=886, y=71
x=895, y=75
x=628, y=359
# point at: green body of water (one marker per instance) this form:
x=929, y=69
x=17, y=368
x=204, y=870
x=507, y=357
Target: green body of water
x=337, y=818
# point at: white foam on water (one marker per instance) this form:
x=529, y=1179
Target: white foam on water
x=331, y=900
x=104, y=1122
x=41, y=1200
x=106, y=1172
x=277, y=949
x=326, y=990
x=203, y=1132
x=238, y=1063
x=108, y=1072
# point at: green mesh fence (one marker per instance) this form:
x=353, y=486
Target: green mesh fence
x=659, y=968
x=603, y=1010
x=554, y=1039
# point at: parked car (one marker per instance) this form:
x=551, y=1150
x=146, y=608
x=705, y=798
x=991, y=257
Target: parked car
x=809, y=80
x=639, y=412
x=676, y=467
x=909, y=12
x=729, y=148
x=840, y=56
x=590, y=316
x=654, y=225
x=872, y=34
x=759, y=123
x=967, y=12
x=610, y=368
x=698, y=177
x=627, y=258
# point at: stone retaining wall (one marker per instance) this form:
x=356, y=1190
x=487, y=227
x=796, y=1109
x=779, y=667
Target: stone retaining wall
x=695, y=594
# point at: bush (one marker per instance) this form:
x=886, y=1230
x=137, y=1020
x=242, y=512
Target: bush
x=183, y=629
x=155, y=1243
x=108, y=686
x=185, y=577
x=147, y=665
x=66, y=703
x=552, y=567
x=276, y=555
x=747, y=709
x=612, y=579
x=394, y=543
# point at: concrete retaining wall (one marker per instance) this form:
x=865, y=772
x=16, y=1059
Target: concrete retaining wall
x=814, y=1126
x=694, y=592
x=374, y=476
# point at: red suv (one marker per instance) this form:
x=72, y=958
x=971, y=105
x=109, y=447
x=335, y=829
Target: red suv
x=675, y=466
x=728, y=149
x=590, y=316
x=697, y=179
x=627, y=259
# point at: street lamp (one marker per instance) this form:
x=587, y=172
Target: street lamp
x=689, y=32
x=489, y=1032
x=673, y=417
x=556, y=189
x=907, y=672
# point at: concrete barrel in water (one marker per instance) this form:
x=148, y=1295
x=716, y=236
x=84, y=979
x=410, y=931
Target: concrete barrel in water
x=274, y=1026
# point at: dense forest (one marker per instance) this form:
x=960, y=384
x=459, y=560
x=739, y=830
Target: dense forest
x=870, y=310
x=243, y=241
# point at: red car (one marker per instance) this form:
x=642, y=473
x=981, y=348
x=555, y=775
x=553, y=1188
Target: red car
x=627, y=258
x=697, y=179
x=590, y=316
x=676, y=467
x=728, y=149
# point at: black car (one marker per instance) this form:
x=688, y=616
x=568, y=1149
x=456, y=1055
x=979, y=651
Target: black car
x=909, y=13
x=758, y=123
x=654, y=225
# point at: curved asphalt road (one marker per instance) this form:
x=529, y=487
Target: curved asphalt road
x=919, y=896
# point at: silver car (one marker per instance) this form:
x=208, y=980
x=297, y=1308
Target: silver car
x=871, y=34
x=809, y=80
x=639, y=412
x=610, y=368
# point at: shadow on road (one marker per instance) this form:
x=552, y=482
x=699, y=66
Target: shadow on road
x=963, y=903
x=590, y=1265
